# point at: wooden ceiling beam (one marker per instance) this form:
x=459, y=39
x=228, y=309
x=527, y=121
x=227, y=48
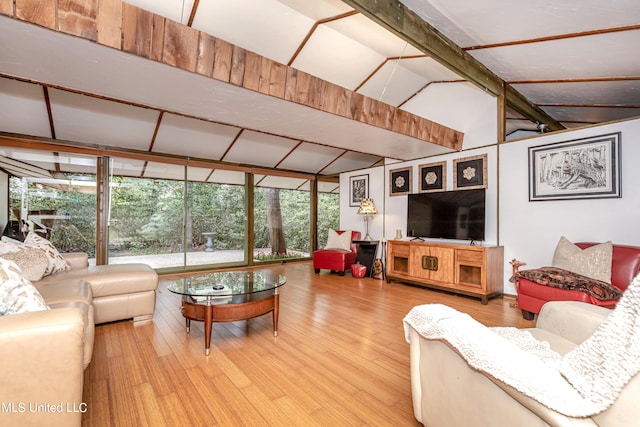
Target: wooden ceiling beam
x=142, y=33
x=406, y=24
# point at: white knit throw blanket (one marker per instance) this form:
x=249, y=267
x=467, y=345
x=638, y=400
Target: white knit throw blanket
x=584, y=382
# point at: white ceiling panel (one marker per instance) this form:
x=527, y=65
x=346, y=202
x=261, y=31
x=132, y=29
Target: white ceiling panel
x=282, y=182
x=98, y=121
x=334, y=57
x=328, y=187
x=27, y=113
x=588, y=115
x=310, y=158
x=617, y=92
x=268, y=27
x=198, y=174
x=318, y=9
x=470, y=23
x=259, y=149
x=362, y=30
x=176, y=10
x=601, y=55
x=393, y=84
x=154, y=170
x=350, y=161
x=126, y=167
x=430, y=69
x=193, y=138
x=222, y=176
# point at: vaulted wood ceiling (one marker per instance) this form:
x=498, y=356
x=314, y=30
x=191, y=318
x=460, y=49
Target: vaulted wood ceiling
x=573, y=64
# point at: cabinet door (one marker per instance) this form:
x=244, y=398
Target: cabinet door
x=432, y=263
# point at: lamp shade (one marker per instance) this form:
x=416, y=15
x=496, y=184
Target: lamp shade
x=367, y=207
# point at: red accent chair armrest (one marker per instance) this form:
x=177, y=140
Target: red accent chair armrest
x=625, y=265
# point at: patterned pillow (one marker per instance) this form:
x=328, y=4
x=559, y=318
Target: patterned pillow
x=17, y=294
x=56, y=261
x=31, y=260
x=339, y=241
x=594, y=262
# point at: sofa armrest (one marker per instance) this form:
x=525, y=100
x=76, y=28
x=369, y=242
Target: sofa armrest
x=573, y=320
x=42, y=362
x=76, y=260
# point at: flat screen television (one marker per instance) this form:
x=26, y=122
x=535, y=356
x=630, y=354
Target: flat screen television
x=458, y=215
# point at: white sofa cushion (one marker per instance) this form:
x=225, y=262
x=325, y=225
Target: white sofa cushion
x=17, y=294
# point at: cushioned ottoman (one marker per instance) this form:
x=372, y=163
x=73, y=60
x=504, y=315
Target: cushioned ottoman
x=120, y=291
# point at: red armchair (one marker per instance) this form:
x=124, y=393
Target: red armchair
x=625, y=265
x=339, y=260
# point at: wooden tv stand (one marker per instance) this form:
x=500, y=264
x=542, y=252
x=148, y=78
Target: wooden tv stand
x=465, y=269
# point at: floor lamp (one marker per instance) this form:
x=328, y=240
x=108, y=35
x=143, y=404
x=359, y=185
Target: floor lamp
x=368, y=210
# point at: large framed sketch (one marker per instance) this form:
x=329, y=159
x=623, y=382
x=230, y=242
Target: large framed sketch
x=358, y=189
x=584, y=168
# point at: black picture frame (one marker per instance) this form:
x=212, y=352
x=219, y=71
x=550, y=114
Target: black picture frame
x=358, y=189
x=470, y=172
x=433, y=177
x=586, y=168
x=400, y=181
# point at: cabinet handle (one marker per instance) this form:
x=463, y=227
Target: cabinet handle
x=429, y=263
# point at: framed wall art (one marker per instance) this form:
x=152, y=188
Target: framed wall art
x=358, y=189
x=586, y=168
x=433, y=177
x=400, y=181
x=470, y=172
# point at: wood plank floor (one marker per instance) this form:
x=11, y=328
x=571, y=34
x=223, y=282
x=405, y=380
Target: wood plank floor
x=340, y=359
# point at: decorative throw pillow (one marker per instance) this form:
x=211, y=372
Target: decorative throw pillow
x=56, y=261
x=336, y=240
x=593, y=262
x=17, y=294
x=31, y=260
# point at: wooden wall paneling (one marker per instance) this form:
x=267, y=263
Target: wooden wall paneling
x=109, y=23
x=400, y=122
x=356, y=106
x=303, y=83
x=238, y=61
x=384, y=115
x=326, y=104
x=425, y=130
x=137, y=27
x=157, y=37
x=277, y=79
x=315, y=93
x=6, y=7
x=222, y=60
x=292, y=81
x=78, y=18
x=251, y=71
x=39, y=12
x=264, y=78
x=342, y=99
x=368, y=110
x=180, y=47
x=206, y=54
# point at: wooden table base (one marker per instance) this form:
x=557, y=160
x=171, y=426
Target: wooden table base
x=208, y=313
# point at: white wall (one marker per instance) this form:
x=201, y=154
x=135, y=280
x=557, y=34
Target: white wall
x=529, y=231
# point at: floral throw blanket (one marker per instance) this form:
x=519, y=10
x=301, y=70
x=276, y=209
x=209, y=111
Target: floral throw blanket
x=564, y=279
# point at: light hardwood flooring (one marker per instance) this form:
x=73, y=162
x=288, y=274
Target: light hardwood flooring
x=340, y=359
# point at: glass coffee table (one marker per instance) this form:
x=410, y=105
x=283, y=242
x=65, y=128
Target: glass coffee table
x=228, y=296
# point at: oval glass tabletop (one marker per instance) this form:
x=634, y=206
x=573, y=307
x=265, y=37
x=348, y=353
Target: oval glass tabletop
x=227, y=283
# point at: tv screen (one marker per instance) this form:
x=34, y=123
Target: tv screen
x=456, y=215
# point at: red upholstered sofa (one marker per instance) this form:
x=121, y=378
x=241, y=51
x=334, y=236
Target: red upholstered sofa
x=625, y=266
x=339, y=260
